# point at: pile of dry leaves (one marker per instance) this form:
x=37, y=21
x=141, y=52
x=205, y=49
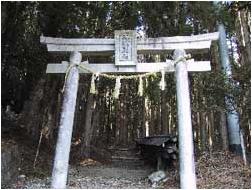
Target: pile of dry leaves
x=218, y=170
x=222, y=170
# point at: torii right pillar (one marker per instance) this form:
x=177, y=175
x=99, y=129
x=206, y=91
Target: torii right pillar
x=186, y=150
x=232, y=115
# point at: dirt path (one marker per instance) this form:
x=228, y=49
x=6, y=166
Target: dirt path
x=96, y=177
x=108, y=177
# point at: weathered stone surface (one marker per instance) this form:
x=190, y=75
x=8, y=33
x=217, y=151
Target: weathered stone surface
x=198, y=43
x=167, y=66
x=10, y=161
x=156, y=177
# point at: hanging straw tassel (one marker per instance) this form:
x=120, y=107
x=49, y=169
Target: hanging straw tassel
x=146, y=82
x=140, y=86
x=162, y=82
x=92, y=87
x=117, y=87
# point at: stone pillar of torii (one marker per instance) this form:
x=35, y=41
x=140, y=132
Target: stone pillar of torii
x=125, y=46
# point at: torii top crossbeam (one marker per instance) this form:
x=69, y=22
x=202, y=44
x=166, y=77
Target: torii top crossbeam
x=94, y=46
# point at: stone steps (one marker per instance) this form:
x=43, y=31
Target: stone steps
x=126, y=153
x=126, y=158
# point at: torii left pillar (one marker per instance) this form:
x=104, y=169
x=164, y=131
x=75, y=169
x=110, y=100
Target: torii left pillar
x=60, y=166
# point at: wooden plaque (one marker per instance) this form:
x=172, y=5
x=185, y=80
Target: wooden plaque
x=125, y=48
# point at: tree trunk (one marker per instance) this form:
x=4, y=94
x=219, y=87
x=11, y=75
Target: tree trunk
x=203, y=131
x=147, y=116
x=123, y=128
x=223, y=131
x=96, y=121
x=158, y=126
x=232, y=117
x=117, y=121
x=152, y=120
x=215, y=132
x=164, y=114
x=243, y=33
x=108, y=123
x=87, y=136
x=143, y=112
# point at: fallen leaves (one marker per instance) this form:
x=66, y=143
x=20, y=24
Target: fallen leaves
x=217, y=170
x=222, y=170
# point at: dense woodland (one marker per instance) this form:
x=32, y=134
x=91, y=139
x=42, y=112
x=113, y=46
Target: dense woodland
x=35, y=97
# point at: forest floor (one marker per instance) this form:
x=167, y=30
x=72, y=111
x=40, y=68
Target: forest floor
x=221, y=170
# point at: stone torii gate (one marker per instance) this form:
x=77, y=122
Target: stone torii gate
x=126, y=46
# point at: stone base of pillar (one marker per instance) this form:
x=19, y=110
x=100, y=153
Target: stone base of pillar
x=236, y=148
